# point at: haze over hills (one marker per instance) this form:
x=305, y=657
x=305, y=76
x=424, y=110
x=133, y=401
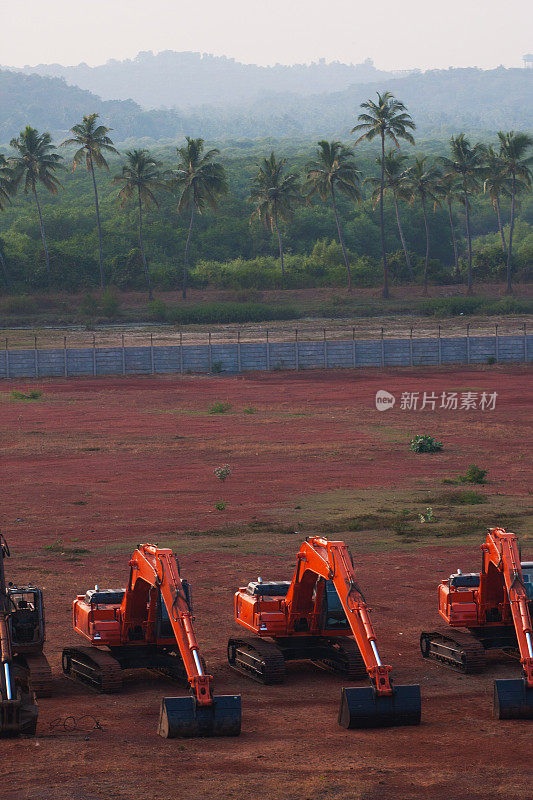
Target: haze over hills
x=187, y=79
x=442, y=102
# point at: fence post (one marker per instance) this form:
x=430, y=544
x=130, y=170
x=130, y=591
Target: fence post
x=497, y=344
x=382, y=349
x=296, y=350
x=325, y=351
x=267, y=352
x=35, y=356
x=440, y=350
x=94, y=355
x=210, y=354
x=7, y=358
x=239, y=351
x=526, y=357
x=152, y=370
x=65, y=359
x=181, y=352
x=410, y=347
x=123, y=356
x=468, y=343
x=353, y=347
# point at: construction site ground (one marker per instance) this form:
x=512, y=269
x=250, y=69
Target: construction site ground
x=93, y=467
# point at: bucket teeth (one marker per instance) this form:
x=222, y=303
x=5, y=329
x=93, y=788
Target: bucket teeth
x=182, y=717
x=513, y=699
x=364, y=708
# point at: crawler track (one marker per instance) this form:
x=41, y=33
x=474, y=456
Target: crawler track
x=460, y=651
x=93, y=667
x=345, y=659
x=258, y=659
x=40, y=675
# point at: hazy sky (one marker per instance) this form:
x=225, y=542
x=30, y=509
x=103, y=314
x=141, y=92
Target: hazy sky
x=395, y=33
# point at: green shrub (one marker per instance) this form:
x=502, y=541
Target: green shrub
x=474, y=474
x=219, y=408
x=216, y=367
x=491, y=360
x=110, y=304
x=401, y=523
x=424, y=443
x=249, y=410
x=223, y=472
x=157, y=310
x=89, y=305
x=221, y=505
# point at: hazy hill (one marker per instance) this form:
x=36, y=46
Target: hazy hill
x=192, y=79
x=442, y=102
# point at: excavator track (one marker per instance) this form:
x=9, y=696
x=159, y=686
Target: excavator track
x=460, y=651
x=40, y=675
x=258, y=659
x=344, y=659
x=93, y=667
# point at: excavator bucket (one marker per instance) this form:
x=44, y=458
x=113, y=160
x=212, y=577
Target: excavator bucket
x=362, y=707
x=513, y=699
x=182, y=717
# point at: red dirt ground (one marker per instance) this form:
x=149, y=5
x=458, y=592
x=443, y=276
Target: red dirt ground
x=139, y=454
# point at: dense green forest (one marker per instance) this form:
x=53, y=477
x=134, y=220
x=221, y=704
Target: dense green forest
x=229, y=249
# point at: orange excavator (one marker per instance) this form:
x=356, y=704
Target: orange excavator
x=495, y=606
x=321, y=616
x=149, y=625
x=18, y=704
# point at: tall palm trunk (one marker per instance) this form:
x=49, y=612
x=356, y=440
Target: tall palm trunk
x=402, y=238
x=5, y=273
x=385, y=291
x=511, y=231
x=141, y=245
x=186, y=263
x=97, y=206
x=43, y=237
x=469, y=239
x=280, y=243
x=341, y=238
x=454, y=241
x=424, y=214
x=500, y=226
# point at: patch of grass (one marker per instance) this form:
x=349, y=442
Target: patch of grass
x=219, y=408
x=468, y=498
x=221, y=505
x=59, y=548
x=34, y=395
x=249, y=410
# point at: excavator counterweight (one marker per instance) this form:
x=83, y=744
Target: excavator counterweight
x=495, y=606
x=150, y=624
x=321, y=616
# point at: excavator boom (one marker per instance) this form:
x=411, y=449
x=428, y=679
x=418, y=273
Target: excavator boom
x=202, y=714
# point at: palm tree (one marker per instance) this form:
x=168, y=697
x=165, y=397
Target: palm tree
x=140, y=178
x=6, y=189
x=388, y=119
x=36, y=163
x=449, y=191
x=467, y=164
x=92, y=141
x=274, y=195
x=517, y=167
x=422, y=181
x=199, y=182
x=395, y=184
x=334, y=169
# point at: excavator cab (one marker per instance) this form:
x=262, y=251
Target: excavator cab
x=26, y=619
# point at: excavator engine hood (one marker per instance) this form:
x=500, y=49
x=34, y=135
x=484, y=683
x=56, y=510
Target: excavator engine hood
x=513, y=699
x=183, y=717
x=363, y=707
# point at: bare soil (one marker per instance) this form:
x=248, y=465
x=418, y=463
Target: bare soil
x=96, y=466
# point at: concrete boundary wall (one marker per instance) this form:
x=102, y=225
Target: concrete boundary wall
x=245, y=356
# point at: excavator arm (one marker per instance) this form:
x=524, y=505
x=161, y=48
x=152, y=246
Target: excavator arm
x=501, y=564
x=382, y=704
x=203, y=714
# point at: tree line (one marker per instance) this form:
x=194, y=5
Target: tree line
x=198, y=181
